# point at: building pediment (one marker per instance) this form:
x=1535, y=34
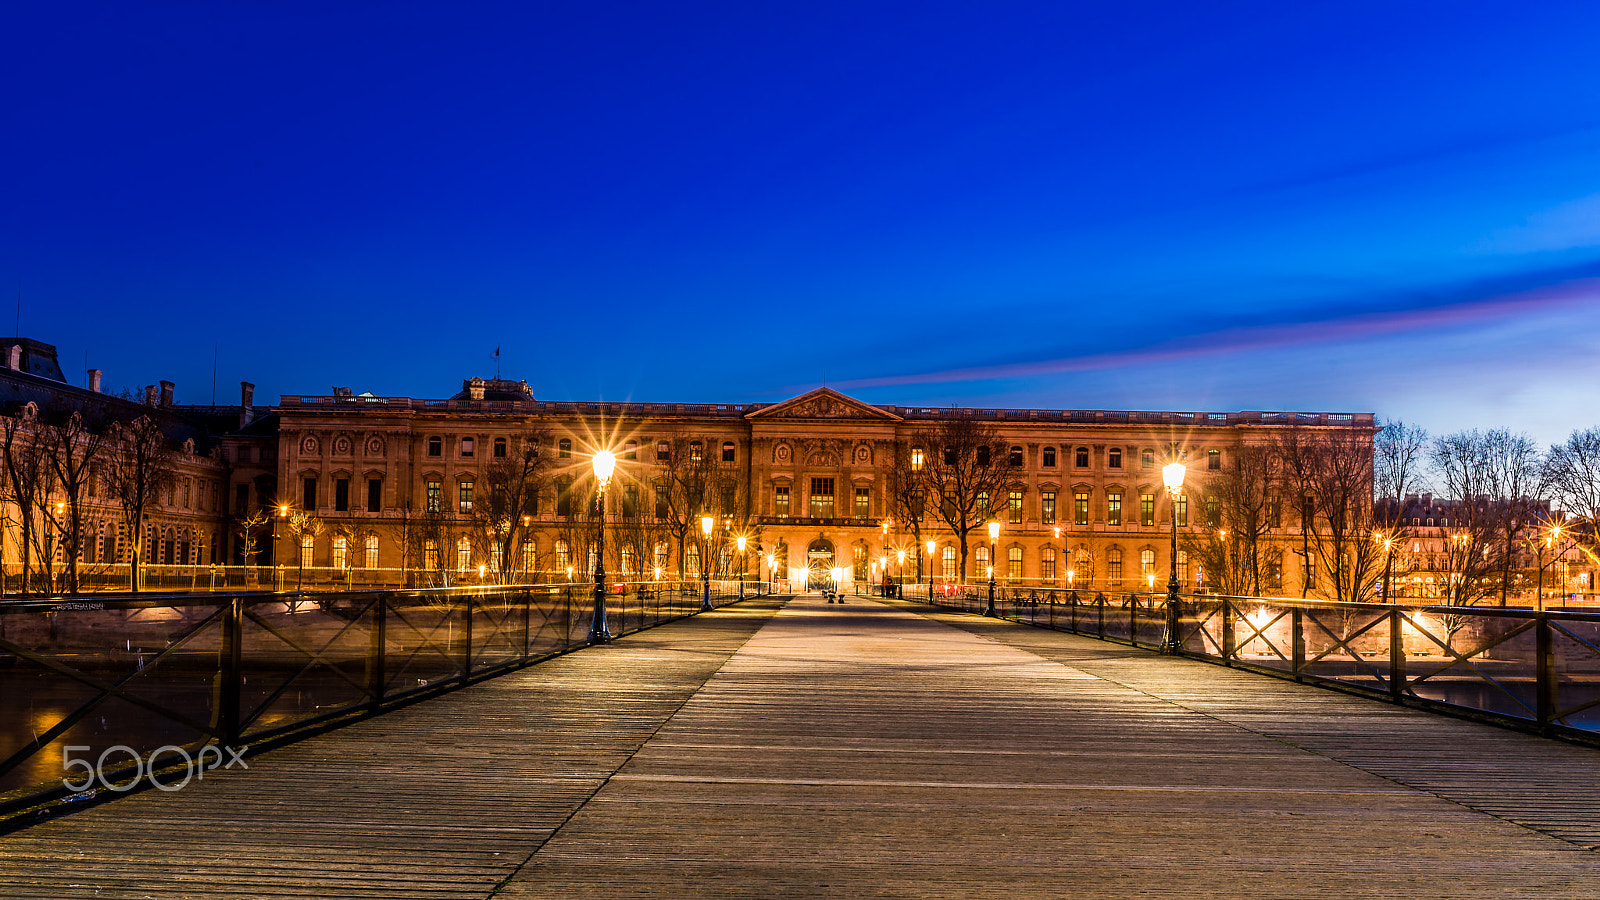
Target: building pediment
x=823, y=403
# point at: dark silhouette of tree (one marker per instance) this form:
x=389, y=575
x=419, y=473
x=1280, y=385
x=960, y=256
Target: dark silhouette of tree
x=74, y=453
x=968, y=475
x=507, y=501
x=29, y=480
x=141, y=466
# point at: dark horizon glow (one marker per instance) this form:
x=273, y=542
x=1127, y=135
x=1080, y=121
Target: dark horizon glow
x=1348, y=207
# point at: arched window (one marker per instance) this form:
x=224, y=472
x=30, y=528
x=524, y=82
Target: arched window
x=1114, y=566
x=727, y=451
x=463, y=554
x=1014, y=564
x=371, y=556
x=563, y=555
x=630, y=450
x=469, y=446
x=691, y=561
x=499, y=448
x=983, y=561
x=435, y=446
x=341, y=552
x=694, y=451
x=308, y=546
x=530, y=557
x=948, y=560
x=1214, y=460
x=1147, y=567
x=1050, y=457
x=1015, y=457
x=1114, y=458
x=1080, y=457
x=564, y=448
x=430, y=555
x=627, y=560
x=1047, y=564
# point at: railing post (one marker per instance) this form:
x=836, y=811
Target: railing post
x=376, y=645
x=527, y=624
x=1397, y=656
x=1298, y=642
x=1100, y=605
x=1545, y=672
x=1229, y=640
x=231, y=664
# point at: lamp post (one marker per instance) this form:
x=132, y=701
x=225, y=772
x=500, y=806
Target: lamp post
x=1551, y=538
x=927, y=561
x=1388, y=568
x=900, y=591
x=604, y=463
x=741, y=567
x=994, y=535
x=706, y=523
x=1172, y=475
x=277, y=561
x=772, y=574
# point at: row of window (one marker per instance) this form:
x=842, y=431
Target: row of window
x=1016, y=457
x=468, y=449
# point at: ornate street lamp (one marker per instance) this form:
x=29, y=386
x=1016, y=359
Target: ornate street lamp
x=706, y=523
x=1172, y=475
x=994, y=535
x=604, y=464
x=741, y=567
x=772, y=574
x=900, y=591
x=927, y=560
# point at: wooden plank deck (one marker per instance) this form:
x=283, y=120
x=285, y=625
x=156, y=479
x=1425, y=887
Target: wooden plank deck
x=875, y=749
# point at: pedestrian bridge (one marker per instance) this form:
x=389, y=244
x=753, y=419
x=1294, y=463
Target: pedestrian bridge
x=786, y=746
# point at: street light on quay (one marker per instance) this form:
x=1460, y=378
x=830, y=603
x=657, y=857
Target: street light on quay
x=706, y=524
x=900, y=592
x=1387, y=540
x=604, y=463
x=927, y=560
x=772, y=573
x=741, y=566
x=994, y=535
x=1172, y=476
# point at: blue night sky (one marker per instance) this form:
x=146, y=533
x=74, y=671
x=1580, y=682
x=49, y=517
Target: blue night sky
x=1350, y=207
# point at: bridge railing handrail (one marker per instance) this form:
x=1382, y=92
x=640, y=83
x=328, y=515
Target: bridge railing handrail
x=1535, y=670
x=149, y=672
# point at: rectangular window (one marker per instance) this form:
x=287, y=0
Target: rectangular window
x=1181, y=507
x=948, y=567
x=1050, y=457
x=341, y=494
x=341, y=553
x=1047, y=564
x=466, y=497
x=663, y=504
x=1080, y=507
x=1114, y=458
x=863, y=502
x=1275, y=513
x=371, y=547
x=374, y=495
x=430, y=554
x=630, y=502
x=1080, y=457
x=916, y=458
x=1114, y=565
x=435, y=496
x=564, y=496
x=1214, y=460
x=1213, y=512
x=1113, y=507
x=1147, y=509
x=822, y=498
x=1014, y=501
x=727, y=452
x=308, y=495
x=1047, y=507
x=859, y=557
x=468, y=445
x=780, y=501
x=1147, y=459
x=499, y=448
x=308, y=549
x=663, y=451
x=1014, y=564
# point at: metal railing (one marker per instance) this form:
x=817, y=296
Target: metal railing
x=140, y=677
x=1534, y=671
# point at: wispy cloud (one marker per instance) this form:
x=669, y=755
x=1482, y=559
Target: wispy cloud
x=1499, y=300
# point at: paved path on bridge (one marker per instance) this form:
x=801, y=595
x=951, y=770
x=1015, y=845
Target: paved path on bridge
x=871, y=749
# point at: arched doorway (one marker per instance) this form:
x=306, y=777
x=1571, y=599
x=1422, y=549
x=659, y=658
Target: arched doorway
x=819, y=560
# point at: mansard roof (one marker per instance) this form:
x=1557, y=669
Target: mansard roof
x=823, y=403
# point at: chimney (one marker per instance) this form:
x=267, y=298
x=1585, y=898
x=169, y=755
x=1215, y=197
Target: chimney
x=475, y=388
x=149, y=395
x=14, y=362
x=247, y=395
x=94, y=380
x=166, y=393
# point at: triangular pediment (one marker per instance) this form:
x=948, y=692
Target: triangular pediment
x=823, y=403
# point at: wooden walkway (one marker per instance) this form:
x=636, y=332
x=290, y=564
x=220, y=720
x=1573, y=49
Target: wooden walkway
x=873, y=749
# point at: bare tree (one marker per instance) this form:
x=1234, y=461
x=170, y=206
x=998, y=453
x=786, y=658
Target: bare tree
x=1242, y=494
x=907, y=491
x=249, y=528
x=1329, y=476
x=1572, y=470
x=29, y=481
x=968, y=471
x=508, y=500
x=74, y=451
x=142, y=465
x=302, y=525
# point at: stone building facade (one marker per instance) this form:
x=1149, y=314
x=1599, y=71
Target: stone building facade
x=1086, y=508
